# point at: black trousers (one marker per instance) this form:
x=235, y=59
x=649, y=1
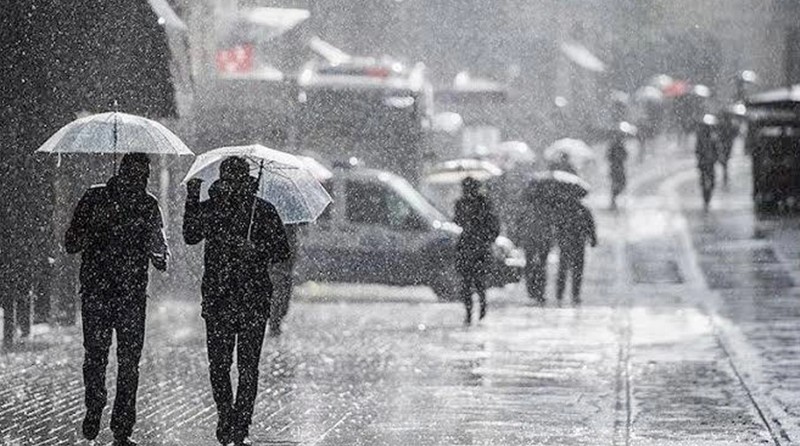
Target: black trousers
x=223, y=334
x=571, y=260
x=536, y=269
x=707, y=180
x=101, y=315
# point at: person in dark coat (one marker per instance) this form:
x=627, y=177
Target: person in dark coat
x=617, y=156
x=244, y=235
x=480, y=226
x=118, y=229
x=728, y=132
x=535, y=231
x=574, y=227
x=706, y=153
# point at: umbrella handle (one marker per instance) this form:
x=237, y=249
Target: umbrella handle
x=253, y=208
x=114, y=153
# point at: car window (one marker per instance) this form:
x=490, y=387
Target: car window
x=366, y=203
x=378, y=205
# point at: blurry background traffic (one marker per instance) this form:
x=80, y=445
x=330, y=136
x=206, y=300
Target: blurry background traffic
x=402, y=97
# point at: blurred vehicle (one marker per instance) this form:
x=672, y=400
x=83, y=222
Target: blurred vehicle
x=381, y=230
x=441, y=183
x=773, y=135
x=378, y=110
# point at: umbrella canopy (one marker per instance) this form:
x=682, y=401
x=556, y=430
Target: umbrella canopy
x=115, y=132
x=577, y=150
x=454, y=171
x=317, y=169
x=284, y=180
x=557, y=184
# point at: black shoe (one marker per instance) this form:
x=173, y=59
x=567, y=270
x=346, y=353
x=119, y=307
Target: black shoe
x=123, y=441
x=91, y=425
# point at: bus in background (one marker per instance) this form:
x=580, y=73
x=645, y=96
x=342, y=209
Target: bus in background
x=378, y=111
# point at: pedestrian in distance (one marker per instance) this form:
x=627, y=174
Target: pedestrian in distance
x=118, y=229
x=574, y=228
x=728, y=131
x=535, y=231
x=243, y=236
x=706, y=148
x=480, y=227
x=617, y=155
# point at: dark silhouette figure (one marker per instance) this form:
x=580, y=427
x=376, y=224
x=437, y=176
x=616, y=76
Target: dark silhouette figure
x=727, y=133
x=282, y=275
x=574, y=227
x=706, y=153
x=118, y=230
x=480, y=225
x=244, y=235
x=617, y=155
x=536, y=234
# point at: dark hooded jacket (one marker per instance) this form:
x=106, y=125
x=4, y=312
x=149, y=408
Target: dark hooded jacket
x=117, y=227
x=236, y=278
x=480, y=227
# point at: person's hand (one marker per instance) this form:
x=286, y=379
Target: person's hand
x=159, y=261
x=193, y=187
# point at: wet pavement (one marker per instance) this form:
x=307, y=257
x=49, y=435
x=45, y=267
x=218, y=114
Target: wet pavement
x=688, y=334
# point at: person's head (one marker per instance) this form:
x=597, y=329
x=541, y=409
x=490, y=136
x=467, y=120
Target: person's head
x=234, y=168
x=134, y=169
x=470, y=186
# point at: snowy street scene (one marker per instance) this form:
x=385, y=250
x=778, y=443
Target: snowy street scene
x=328, y=222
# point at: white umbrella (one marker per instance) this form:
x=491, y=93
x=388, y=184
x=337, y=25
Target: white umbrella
x=577, y=150
x=283, y=180
x=115, y=132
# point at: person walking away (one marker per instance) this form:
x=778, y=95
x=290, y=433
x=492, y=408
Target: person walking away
x=118, y=229
x=706, y=153
x=480, y=226
x=575, y=226
x=282, y=276
x=728, y=132
x=536, y=236
x=617, y=155
x=243, y=236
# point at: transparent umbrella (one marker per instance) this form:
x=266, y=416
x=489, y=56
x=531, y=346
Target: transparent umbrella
x=283, y=180
x=113, y=133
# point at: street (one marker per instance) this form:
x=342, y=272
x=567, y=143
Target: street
x=688, y=334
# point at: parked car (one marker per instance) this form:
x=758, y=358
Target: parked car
x=381, y=230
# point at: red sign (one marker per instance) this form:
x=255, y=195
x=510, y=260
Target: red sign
x=238, y=59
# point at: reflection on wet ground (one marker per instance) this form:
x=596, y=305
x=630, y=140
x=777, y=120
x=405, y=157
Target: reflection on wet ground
x=650, y=357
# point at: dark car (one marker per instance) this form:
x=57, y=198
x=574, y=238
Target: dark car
x=381, y=230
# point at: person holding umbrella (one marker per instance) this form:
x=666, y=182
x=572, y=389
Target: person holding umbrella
x=118, y=230
x=244, y=235
x=574, y=227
